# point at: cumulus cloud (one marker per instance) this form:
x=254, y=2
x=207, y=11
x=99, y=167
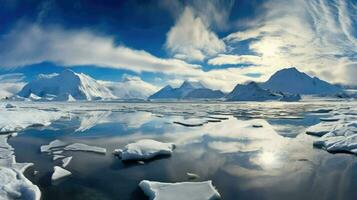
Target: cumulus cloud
x=32, y=44
x=191, y=39
x=317, y=36
x=131, y=87
x=10, y=84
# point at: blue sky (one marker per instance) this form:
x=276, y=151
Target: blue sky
x=220, y=43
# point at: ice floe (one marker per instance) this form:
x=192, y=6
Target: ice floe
x=337, y=136
x=192, y=175
x=342, y=138
x=13, y=184
x=144, y=149
x=59, y=173
x=191, y=122
x=17, y=119
x=84, y=147
x=320, y=129
x=66, y=161
x=52, y=145
x=59, y=145
x=56, y=157
x=182, y=190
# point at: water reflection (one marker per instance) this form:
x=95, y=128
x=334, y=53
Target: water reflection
x=244, y=161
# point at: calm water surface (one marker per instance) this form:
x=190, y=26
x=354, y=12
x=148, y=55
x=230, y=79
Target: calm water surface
x=277, y=161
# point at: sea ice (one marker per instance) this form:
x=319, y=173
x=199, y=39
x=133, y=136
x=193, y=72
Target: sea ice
x=343, y=138
x=84, y=147
x=13, y=184
x=66, y=161
x=320, y=129
x=59, y=173
x=191, y=122
x=144, y=149
x=182, y=190
x=54, y=144
x=56, y=157
x=59, y=145
x=192, y=175
x=19, y=118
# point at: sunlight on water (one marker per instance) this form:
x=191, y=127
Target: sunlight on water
x=268, y=160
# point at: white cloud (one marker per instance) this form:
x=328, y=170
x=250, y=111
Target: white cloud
x=191, y=39
x=34, y=44
x=10, y=84
x=131, y=87
x=317, y=36
x=224, y=59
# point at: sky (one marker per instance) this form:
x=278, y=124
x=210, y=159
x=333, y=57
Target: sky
x=159, y=42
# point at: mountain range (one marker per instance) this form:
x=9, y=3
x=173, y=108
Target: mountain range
x=188, y=90
x=285, y=85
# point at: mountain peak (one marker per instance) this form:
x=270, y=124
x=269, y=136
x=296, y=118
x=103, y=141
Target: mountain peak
x=293, y=81
x=67, y=72
x=192, y=84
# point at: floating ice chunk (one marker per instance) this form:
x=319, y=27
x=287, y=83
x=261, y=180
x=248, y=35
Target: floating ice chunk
x=60, y=146
x=219, y=117
x=322, y=110
x=191, y=122
x=183, y=190
x=144, y=149
x=329, y=119
x=320, y=129
x=14, y=185
x=57, y=152
x=66, y=161
x=54, y=144
x=192, y=175
x=84, y=147
x=56, y=157
x=59, y=173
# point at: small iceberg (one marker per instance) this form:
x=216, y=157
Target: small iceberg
x=144, y=149
x=192, y=175
x=84, y=147
x=178, y=191
x=66, y=161
x=59, y=173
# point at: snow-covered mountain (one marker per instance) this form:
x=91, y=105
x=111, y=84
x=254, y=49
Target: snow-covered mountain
x=66, y=86
x=204, y=93
x=293, y=81
x=188, y=90
x=253, y=92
